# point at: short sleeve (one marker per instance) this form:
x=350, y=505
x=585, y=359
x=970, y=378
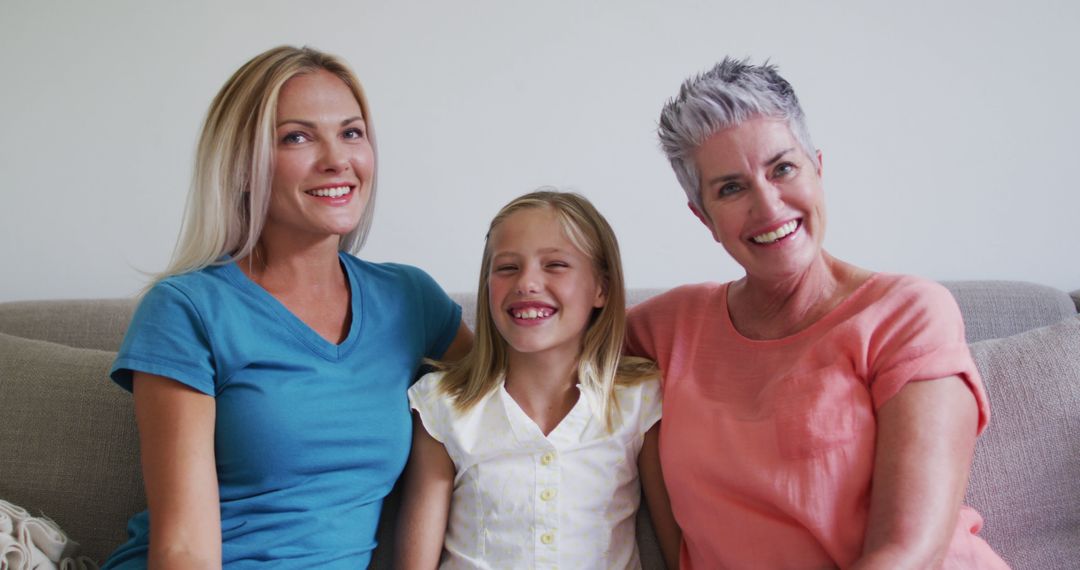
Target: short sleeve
x=923, y=340
x=167, y=337
x=441, y=315
x=639, y=341
x=431, y=405
x=651, y=404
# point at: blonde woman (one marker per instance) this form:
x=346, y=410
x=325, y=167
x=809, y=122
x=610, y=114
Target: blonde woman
x=268, y=364
x=528, y=452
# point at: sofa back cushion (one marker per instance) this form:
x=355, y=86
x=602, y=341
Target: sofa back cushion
x=991, y=309
x=68, y=446
x=82, y=323
x=1024, y=476
x=997, y=309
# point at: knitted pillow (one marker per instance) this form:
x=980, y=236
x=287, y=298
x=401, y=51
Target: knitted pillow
x=68, y=445
x=1024, y=479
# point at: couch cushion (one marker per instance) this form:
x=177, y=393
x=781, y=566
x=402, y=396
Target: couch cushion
x=83, y=323
x=1024, y=476
x=997, y=309
x=68, y=446
x=991, y=309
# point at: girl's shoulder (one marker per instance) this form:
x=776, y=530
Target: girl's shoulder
x=433, y=406
x=458, y=430
x=646, y=387
x=428, y=385
x=428, y=395
x=639, y=403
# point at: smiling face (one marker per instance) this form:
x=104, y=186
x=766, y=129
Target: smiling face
x=541, y=288
x=323, y=161
x=762, y=198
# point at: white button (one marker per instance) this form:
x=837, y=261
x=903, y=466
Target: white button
x=547, y=458
x=547, y=494
x=547, y=537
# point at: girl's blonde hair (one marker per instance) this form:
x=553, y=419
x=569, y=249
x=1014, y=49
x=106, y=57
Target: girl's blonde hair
x=601, y=364
x=234, y=160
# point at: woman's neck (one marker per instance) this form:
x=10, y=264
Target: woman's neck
x=290, y=264
x=774, y=309
x=544, y=385
x=308, y=279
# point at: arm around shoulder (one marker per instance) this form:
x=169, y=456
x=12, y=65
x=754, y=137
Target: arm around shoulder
x=176, y=436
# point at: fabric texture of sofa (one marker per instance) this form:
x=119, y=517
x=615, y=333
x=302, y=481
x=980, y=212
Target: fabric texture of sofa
x=69, y=447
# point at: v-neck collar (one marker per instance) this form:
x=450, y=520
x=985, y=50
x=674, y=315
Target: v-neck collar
x=305, y=334
x=569, y=430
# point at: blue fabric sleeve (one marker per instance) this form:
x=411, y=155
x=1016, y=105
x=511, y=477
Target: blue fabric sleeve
x=441, y=315
x=166, y=337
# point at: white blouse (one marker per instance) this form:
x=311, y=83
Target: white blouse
x=525, y=500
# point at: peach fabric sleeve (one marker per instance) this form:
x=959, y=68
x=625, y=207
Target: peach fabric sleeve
x=917, y=335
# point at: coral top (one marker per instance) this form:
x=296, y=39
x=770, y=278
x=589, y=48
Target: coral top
x=768, y=446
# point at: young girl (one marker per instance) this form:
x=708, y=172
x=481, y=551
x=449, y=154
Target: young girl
x=526, y=453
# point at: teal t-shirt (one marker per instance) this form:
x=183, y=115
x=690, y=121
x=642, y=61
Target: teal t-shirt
x=310, y=436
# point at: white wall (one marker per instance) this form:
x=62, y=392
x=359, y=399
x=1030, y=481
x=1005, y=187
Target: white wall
x=949, y=129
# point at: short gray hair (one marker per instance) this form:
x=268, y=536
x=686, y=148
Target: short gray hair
x=730, y=93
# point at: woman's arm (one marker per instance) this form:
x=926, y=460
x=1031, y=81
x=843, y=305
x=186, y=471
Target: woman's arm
x=425, y=502
x=176, y=438
x=461, y=344
x=667, y=530
x=925, y=441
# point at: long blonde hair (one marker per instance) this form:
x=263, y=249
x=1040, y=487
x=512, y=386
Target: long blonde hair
x=601, y=364
x=234, y=160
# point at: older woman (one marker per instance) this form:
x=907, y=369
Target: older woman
x=269, y=365
x=816, y=414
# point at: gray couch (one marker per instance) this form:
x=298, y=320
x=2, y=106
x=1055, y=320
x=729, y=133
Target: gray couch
x=69, y=448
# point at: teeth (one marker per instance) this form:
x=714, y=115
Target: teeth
x=330, y=192
x=533, y=314
x=776, y=234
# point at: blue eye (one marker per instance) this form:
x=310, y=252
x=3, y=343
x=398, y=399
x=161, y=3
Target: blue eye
x=728, y=189
x=294, y=138
x=783, y=169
